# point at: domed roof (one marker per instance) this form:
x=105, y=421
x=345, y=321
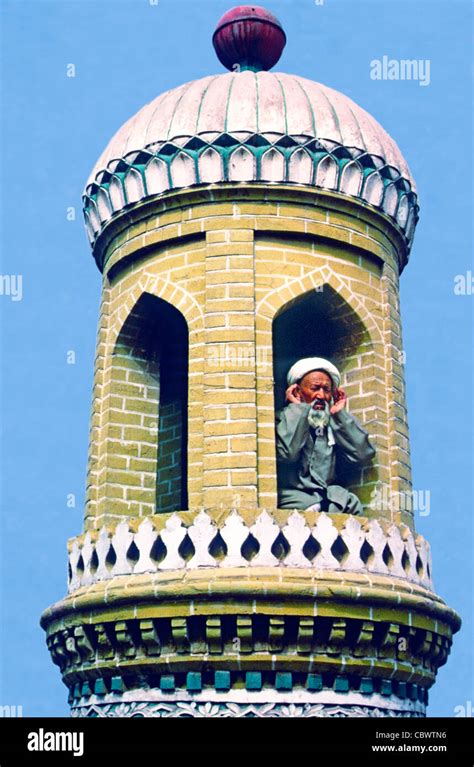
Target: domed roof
x=246, y=126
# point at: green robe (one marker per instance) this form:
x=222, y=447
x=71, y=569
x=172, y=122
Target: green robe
x=308, y=466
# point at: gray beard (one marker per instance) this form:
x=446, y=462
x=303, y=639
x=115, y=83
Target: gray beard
x=318, y=419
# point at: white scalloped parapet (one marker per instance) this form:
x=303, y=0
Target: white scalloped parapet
x=360, y=546
x=251, y=126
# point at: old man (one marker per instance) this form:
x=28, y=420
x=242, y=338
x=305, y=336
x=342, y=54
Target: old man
x=318, y=441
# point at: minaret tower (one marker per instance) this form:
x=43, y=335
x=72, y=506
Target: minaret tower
x=240, y=222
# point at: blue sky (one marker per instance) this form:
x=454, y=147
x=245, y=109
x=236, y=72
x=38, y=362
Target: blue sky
x=54, y=127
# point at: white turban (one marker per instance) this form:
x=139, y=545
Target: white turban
x=308, y=364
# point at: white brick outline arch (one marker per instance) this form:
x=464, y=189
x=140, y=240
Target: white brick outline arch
x=157, y=286
x=279, y=299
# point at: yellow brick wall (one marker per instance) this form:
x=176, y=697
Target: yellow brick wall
x=230, y=411
x=232, y=262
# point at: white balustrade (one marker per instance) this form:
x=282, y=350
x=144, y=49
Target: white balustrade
x=359, y=546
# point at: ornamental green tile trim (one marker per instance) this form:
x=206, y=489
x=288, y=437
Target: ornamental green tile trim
x=253, y=680
x=283, y=680
x=100, y=687
x=367, y=685
x=167, y=682
x=341, y=684
x=222, y=680
x=194, y=681
x=102, y=203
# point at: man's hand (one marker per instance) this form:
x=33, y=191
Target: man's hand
x=340, y=401
x=293, y=394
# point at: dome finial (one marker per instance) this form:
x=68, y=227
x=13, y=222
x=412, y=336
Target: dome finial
x=248, y=37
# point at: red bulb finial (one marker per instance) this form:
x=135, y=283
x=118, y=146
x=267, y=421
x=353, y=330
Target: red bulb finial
x=249, y=37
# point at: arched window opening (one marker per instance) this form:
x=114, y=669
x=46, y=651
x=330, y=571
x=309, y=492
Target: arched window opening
x=322, y=324
x=148, y=408
x=171, y=485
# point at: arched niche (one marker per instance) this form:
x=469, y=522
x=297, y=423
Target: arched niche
x=149, y=404
x=320, y=323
